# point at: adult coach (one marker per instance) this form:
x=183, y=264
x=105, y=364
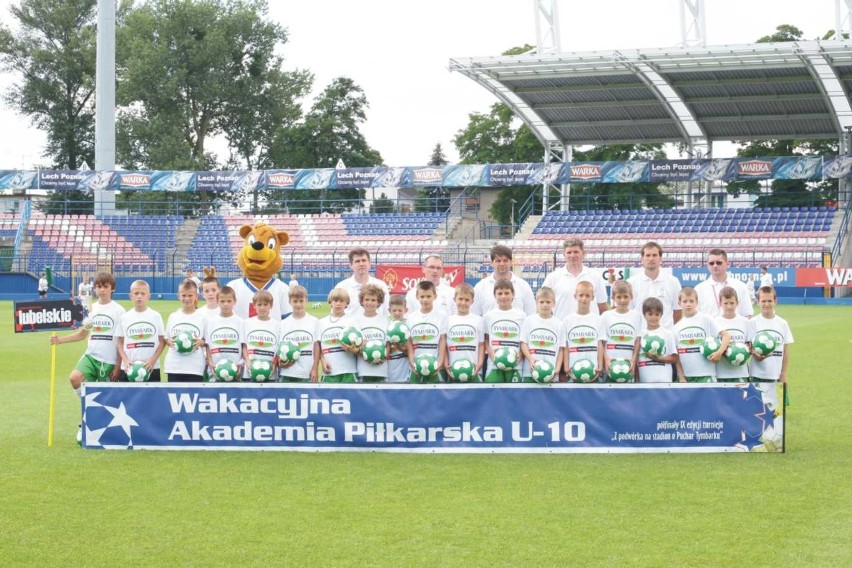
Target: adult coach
x=483, y=292
x=433, y=271
x=42, y=285
x=359, y=261
x=652, y=282
x=766, y=278
x=708, y=291
x=564, y=281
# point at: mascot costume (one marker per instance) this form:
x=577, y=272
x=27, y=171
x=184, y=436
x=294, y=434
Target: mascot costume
x=260, y=261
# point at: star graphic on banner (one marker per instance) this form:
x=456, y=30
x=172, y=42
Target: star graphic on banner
x=90, y=399
x=93, y=437
x=121, y=418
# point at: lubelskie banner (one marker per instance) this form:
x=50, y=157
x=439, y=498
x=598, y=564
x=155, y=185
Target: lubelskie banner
x=48, y=315
x=432, y=418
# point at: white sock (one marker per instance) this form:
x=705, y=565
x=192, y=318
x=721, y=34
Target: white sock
x=79, y=391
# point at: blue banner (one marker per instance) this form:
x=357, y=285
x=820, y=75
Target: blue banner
x=428, y=418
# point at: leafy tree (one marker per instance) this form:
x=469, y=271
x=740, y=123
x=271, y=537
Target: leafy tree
x=434, y=198
x=382, y=204
x=787, y=192
x=53, y=54
x=330, y=131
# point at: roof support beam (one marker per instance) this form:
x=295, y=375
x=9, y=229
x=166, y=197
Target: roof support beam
x=831, y=86
x=676, y=106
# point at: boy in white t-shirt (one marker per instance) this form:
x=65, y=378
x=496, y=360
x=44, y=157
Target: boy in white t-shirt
x=737, y=328
x=428, y=333
x=185, y=367
x=542, y=336
x=656, y=368
x=261, y=334
x=693, y=329
x=210, y=290
x=503, y=329
x=141, y=334
x=224, y=334
x=337, y=360
x=771, y=368
x=373, y=327
x=301, y=329
x=399, y=369
x=622, y=327
x=584, y=332
x=98, y=363
x=465, y=333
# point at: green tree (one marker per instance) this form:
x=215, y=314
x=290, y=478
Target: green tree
x=786, y=192
x=52, y=53
x=382, y=204
x=330, y=131
x=436, y=197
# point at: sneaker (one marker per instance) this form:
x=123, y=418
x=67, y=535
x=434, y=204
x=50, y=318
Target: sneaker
x=80, y=435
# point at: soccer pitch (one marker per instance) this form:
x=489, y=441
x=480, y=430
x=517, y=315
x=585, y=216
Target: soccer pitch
x=63, y=506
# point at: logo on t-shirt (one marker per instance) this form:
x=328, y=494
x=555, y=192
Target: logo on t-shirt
x=224, y=337
x=301, y=338
x=622, y=332
x=690, y=336
x=189, y=328
x=103, y=324
x=582, y=335
x=424, y=334
x=261, y=339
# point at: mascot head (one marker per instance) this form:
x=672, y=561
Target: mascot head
x=260, y=257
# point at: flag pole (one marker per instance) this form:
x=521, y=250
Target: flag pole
x=52, y=392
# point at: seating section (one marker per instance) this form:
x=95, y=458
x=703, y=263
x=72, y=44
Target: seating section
x=794, y=236
x=58, y=238
x=8, y=225
x=152, y=234
x=393, y=225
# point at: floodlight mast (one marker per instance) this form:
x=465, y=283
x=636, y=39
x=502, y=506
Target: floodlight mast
x=105, y=104
x=693, y=31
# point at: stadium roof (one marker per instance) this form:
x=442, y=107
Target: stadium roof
x=695, y=96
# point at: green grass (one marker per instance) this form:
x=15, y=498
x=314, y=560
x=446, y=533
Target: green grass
x=63, y=506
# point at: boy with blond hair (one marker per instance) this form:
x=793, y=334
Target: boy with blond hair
x=428, y=332
x=261, y=335
x=185, y=367
x=465, y=333
x=542, y=336
x=301, y=329
x=622, y=327
x=584, y=331
x=503, y=326
x=337, y=360
x=737, y=327
x=399, y=369
x=771, y=368
x=141, y=334
x=225, y=334
x=693, y=329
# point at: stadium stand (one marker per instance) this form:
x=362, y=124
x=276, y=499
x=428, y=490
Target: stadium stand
x=152, y=234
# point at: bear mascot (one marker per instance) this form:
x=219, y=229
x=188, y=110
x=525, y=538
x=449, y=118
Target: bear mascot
x=260, y=261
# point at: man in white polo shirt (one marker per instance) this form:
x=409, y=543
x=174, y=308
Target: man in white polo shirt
x=708, y=291
x=564, y=281
x=483, y=292
x=433, y=271
x=359, y=261
x=654, y=283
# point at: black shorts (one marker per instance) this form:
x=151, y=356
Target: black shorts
x=42, y=293
x=153, y=376
x=183, y=378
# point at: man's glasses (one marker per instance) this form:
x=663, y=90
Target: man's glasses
x=714, y=263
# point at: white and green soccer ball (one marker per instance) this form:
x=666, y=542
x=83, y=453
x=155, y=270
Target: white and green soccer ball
x=374, y=351
x=619, y=371
x=763, y=344
x=137, y=372
x=260, y=370
x=184, y=342
x=426, y=364
x=462, y=370
x=225, y=370
x=737, y=354
x=288, y=351
x=398, y=332
x=710, y=346
x=583, y=371
x=543, y=372
x=653, y=345
x=505, y=358
x=351, y=337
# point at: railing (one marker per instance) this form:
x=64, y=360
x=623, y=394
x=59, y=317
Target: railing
x=837, y=248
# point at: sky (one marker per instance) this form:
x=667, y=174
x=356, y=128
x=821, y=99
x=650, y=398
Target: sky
x=398, y=52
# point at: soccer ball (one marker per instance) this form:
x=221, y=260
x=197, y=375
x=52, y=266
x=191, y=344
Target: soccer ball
x=505, y=358
x=398, y=332
x=374, y=351
x=87, y=323
x=462, y=370
x=619, y=371
x=653, y=345
x=225, y=370
x=184, y=342
x=763, y=344
x=351, y=337
x=737, y=354
x=542, y=372
x=260, y=370
x=137, y=372
x=426, y=364
x=583, y=371
x=711, y=345
x=288, y=351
